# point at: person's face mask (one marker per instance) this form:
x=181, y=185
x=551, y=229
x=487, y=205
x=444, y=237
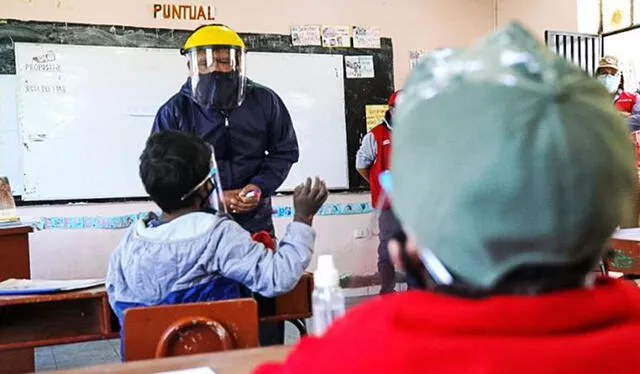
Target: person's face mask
x=388, y=118
x=219, y=90
x=610, y=81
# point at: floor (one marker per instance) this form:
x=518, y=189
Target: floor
x=108, y=351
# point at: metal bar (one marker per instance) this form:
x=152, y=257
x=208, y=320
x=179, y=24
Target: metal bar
x=580, y=52
x=572, y=41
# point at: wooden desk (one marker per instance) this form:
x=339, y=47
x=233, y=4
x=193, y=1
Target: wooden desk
x=32, y=321
x=232, y=362
x=27, y=322
x=14, y=252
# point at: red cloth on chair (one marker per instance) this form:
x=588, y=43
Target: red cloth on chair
x=265, y=238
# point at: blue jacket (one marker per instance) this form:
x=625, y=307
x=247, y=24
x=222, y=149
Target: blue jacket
x=258, y=145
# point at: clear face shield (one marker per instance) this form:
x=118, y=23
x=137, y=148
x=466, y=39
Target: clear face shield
x=217, y=76
x=216, y=197
x=437, y=273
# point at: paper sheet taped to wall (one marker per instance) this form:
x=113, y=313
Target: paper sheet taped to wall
x=375, y=115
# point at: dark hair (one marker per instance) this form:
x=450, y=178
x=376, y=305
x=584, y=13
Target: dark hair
x=172, y=163
x=621, y=85
x=525, y=280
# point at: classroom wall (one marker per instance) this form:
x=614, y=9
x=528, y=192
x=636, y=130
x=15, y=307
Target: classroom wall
x=540, y=15
x=588, y=16
x=412, y=24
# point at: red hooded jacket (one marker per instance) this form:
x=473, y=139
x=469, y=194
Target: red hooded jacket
x=578, y=331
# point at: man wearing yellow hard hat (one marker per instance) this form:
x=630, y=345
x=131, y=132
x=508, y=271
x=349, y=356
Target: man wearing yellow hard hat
x=247, y=124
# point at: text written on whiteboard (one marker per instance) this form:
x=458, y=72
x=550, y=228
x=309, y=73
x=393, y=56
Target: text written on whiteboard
x=184, y=12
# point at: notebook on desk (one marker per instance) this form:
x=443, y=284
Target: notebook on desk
x=35, y=286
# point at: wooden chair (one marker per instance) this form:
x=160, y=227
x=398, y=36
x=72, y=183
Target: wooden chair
x=294, y=306
x=184, y=329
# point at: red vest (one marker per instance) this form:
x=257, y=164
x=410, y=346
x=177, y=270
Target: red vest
x=625, y=101
x=382, y=135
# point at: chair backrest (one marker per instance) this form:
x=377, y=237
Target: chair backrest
x=182, y=329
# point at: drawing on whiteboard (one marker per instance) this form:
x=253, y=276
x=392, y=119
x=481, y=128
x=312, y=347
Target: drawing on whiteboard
x=47, y=57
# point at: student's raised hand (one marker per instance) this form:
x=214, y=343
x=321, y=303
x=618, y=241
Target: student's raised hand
x=308, y=198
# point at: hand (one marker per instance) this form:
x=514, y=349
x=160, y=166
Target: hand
x=403, y=251
x=244, y=200
x=307, y=200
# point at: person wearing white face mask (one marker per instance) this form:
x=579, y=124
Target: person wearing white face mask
x=609, y=73
x=627, y=103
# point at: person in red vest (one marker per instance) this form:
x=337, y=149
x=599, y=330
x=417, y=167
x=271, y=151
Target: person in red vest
x=373, y=158
x=627, y=103
x=609, y=73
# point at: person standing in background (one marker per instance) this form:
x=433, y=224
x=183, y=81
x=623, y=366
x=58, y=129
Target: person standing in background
x=248, y=125
x=627, y=103
x=610, y=74
x=372, y=159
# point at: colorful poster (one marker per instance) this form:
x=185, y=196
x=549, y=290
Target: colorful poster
x=616, y=14
x=305, y=35
x=415, y=56
x=336, y=36
x=366, y=37
x=359, y=66
x=375, y=115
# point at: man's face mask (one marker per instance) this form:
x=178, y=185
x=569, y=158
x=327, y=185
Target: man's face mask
x=610, y=81
x=219, y=90
x=217, y=77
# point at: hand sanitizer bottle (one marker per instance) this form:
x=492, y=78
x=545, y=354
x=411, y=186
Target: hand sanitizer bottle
x=327, y=299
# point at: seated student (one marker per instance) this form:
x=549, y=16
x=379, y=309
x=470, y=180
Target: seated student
x=192, y=253
x=509, y=205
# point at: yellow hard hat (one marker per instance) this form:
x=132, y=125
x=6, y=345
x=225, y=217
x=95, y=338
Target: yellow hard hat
x=213, y=35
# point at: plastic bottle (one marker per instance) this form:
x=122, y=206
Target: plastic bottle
x=327, y=299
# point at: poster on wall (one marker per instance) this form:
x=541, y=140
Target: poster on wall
x=375, y=114
x=336, y=36
x=359, y=66
x=415, y=56
x=366, y=37
x=616, y=14
x=305, y=35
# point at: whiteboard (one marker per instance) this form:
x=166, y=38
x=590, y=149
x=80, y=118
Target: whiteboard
x=312, y=88
x=85, y=113
x=10, y=150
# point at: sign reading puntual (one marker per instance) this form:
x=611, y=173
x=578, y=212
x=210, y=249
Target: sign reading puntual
x=184, y=12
